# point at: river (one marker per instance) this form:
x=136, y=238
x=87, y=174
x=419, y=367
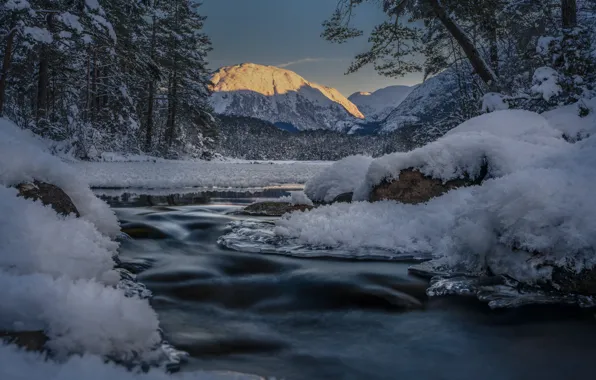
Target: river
x=295, y=319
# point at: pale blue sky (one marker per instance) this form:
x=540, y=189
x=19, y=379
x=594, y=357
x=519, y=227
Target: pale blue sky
x=287, y=33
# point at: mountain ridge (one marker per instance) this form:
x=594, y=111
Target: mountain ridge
x=281, y=96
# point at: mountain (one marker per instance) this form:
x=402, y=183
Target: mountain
x=281, y=97
x=432, y=108
x=378, y=105
x=431, y=102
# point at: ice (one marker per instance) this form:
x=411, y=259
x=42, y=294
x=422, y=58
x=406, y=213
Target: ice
x=199, y=174
x=342, y=177
x=261, y=237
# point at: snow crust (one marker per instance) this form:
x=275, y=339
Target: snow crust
x=342, y=177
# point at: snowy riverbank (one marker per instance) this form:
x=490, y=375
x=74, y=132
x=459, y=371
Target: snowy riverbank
x=59, y=280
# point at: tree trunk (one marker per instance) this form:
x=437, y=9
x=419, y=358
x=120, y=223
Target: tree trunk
x=43, y=79
x=478, y=63
x=569, y=13
x=151, y=97
x=5, y=68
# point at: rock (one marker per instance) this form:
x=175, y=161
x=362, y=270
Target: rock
x=273, y=208
x=143, y=231
x=343, y=198
x=29, y=340
x=48, y=194
x=414, y=187
x=568, y=281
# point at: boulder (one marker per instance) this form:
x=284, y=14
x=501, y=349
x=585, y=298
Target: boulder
x=48, y=194
x=273, y=208
x=28, y=340
x=413, y=187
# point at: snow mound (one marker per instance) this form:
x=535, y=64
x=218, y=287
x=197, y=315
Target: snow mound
x=24, y=157
x=342, y=177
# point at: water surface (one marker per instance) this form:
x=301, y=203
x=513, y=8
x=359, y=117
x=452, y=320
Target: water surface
x=310, y=319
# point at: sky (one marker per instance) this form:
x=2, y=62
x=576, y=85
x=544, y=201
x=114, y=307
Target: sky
x=286, y=33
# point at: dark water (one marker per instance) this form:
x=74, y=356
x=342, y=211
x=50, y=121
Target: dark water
x=328, y=319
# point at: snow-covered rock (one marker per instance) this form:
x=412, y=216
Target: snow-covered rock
x=500, y=143
x=281, y=96
x=379, y=104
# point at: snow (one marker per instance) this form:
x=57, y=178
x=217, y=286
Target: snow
x=342, y=177
x=38, y=34
x=537, y=198
x=504, y=141
x=199, y=174
x=567, y=119
x=29, y=159
x=17, y=4
x=546, y=83
x=297, y=198
x=18, y=365
x=493, y=101
x=57, y=276
x=71, y=21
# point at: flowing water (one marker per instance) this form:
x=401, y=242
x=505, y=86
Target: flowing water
x=298, y=318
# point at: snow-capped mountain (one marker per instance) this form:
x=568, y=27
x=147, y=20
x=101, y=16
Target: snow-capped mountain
x=376, y=106
x=282, y=97
x=428, y=103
